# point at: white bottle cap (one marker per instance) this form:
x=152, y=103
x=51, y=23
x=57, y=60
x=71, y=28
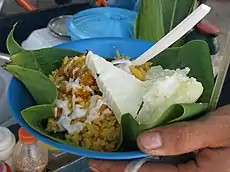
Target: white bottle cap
x=7, y=142
x=5, y=138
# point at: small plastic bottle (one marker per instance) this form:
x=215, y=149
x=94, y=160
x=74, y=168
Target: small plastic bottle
x=29, y=154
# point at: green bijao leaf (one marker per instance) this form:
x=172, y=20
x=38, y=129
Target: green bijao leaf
x=149, y=23
x=174, y=11
x=32, y=67
x=12, y=46
x=36, y=114
x=175, y=113
x=194, y=55
x=44, y=60
x=37, y=83
x=156, y=18
x=33, y=117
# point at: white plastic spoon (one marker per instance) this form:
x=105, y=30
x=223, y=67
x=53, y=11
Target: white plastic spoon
x=180, y=30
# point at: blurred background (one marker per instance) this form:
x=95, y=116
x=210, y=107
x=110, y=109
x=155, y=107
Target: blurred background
x=220, y=15
x=11, y=6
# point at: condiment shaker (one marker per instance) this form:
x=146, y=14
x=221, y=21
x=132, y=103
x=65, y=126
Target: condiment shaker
x=29, y=154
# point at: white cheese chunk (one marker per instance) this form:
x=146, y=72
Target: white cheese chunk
x=122, y=91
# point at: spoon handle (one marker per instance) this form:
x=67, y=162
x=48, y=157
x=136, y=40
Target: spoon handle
x=4, y=58
x=180, y=30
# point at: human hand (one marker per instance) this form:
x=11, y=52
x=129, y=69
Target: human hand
x=210, y=135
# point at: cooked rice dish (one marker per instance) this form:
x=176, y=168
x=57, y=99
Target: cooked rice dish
x=80, y=110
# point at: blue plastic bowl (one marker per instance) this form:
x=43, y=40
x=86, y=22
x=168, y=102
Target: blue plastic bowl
x=19, y=98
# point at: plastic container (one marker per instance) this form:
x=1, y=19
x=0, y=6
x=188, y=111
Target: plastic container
x=7, y=143
x=29, y=154
x=102, y=22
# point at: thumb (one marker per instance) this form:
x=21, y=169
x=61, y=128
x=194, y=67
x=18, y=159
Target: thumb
x=210, y=131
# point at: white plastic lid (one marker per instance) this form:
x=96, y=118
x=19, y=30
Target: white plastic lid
x=6, y=139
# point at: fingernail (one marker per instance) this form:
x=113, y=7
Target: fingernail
x=94, y=169
x=150, y=140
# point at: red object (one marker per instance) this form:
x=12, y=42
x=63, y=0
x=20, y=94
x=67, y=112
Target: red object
x=26, y=4
x=4, y=167
x=206, y=27
x=25, y=137
x=101, y=3
x=8, y=168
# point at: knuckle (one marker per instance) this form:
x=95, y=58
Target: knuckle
x=179, y=138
